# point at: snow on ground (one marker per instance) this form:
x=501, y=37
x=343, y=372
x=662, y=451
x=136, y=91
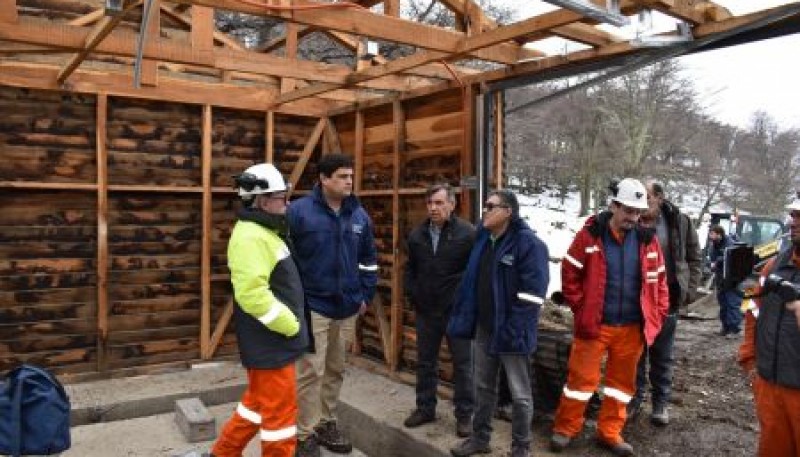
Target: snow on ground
x=555, y=221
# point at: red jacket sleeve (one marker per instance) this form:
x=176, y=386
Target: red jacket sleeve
x=573, y=270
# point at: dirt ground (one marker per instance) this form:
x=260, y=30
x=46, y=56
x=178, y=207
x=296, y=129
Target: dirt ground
x=711, y=413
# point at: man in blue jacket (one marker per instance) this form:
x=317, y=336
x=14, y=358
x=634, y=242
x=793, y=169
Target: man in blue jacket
x=335, y=250
x=498, y=306
x=729, y=301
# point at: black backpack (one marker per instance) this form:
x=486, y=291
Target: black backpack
x=34, y=413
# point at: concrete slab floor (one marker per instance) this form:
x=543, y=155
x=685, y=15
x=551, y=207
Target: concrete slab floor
x=138, y=418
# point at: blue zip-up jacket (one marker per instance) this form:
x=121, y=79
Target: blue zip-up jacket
x=623, y=279
x=335, y=253
x=520, y=276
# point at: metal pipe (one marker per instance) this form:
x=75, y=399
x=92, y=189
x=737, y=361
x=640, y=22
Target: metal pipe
x=137, y=65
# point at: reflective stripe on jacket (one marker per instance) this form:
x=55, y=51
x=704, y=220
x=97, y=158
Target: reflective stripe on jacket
x=335, y=253
x=583, y=280
x=520, y=276
x=265, y=279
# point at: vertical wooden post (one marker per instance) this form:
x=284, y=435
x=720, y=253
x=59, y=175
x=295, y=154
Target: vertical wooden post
x=391, y=8
x=202, y=34
x=399, y=118
x=359, y=152
x=8, y=11
x=288, y=84
x=205, y=260
x=499, y=152
x=102, y=232
x=269, y=139
x=467, y=149
x=150, y=67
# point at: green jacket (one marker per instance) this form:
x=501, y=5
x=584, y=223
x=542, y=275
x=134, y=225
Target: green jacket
x=270, y=326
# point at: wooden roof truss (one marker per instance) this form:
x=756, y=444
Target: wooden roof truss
x=94, y=50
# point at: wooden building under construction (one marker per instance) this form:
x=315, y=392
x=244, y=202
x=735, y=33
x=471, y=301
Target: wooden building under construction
x=123, y=122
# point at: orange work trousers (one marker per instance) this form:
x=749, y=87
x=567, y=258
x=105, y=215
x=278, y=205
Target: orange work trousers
x=624, y=346
x=778, y=410
x=268, y=406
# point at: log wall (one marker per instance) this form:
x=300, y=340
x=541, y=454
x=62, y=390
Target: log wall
x=116, y=214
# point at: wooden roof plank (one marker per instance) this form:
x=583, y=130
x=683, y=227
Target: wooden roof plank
x=366, y=23
x=101, y=30
x=543, y=22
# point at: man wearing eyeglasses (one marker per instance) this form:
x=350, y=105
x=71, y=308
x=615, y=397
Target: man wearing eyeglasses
x=269, y=315
x=438, y=250
x=498, y=306
x=614, y=280
x=335, y=251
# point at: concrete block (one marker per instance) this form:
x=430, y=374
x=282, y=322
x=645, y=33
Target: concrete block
x=194, y=420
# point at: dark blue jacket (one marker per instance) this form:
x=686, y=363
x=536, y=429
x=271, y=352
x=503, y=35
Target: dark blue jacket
x=335, y=253
x=717, y=256
x=623, y=279
x=520, y=276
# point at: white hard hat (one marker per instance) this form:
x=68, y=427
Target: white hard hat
x=631, y=192
x=795, y=204
x=262, y=178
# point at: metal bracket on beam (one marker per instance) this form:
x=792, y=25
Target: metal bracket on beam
x=683, y=35
x=114, y=7
x=610, y=15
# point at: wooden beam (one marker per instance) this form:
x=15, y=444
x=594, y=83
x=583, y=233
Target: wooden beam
x=149, y=67
x=202, y=27
x=396, y=319
x=366, y=23
x=269, y=137
x=679, y=9
x=205, y=254
x=100, y=32
x=308, y=150
x=586, y=34
x=8, y=11
x=391, y=7
x=219, y=330
x=333, y=136
x=358, y=152
x=542, y=22
x=123, y=43
x=288, y=84
x=467, y=148
x=201, y=12
x=89, y=18
x=102, y=232
x=40, y=76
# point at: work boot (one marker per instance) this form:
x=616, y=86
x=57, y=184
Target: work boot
x=419, y=417
x=621, y=449
x=463, y=427
x=521, y=451
x=469, y=447
x=660, y=415
x=307, y=447
x=559, y=442
x=329, y=436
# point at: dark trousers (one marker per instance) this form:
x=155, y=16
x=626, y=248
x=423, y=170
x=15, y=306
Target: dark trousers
x=661, y=359
x=730, y=313
x=430, y=332
x=518, y=371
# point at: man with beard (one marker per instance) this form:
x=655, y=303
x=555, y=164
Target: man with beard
x=614, y=280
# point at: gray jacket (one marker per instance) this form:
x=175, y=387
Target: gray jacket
x=686, y=271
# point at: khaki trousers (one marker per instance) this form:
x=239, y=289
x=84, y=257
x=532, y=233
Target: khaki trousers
x=320, y=375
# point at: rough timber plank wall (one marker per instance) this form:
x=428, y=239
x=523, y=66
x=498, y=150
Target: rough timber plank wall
x=47, y=237
x=50, y=302
x=405, y=147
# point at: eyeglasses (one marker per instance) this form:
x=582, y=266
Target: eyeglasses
x=489, y=206
x=281, y=196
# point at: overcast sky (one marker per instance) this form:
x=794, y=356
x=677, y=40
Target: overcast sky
x=733, y=82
